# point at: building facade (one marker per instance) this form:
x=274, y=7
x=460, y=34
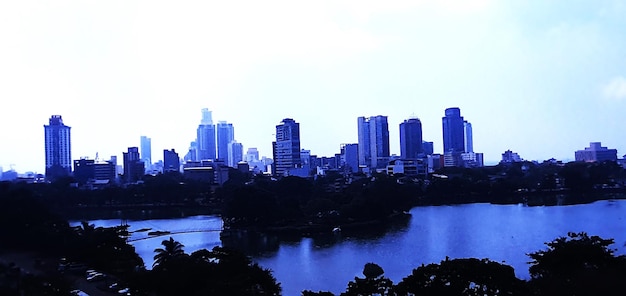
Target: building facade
x=171, y=161
x=133, y=166
x=468, y=140
x=286, y=148
x=235, y=153
x=596, y=153
x=373, y=136
x=350, y=157
x=453, y=131
x=58, y=148
x=411, y=146
x=145, y=150
x=225, y=135
x=206, y=146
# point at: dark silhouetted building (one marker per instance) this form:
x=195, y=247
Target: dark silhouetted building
x=58, y=148
x=411, y=146
x=428, y=147
x=235, y=154
x=84, y=170
x=286, y=148
x=171, y=161
x=453, y=131
x=373, y=136
x=133, y=166
x=510, y=157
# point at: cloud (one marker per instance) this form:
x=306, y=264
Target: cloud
x=615, y=89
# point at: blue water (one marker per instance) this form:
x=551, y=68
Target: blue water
x=502, y=233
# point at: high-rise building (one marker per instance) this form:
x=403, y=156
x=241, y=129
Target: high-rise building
x=145, y=151
x=411, y=146
x=133, y=166
x=428, y=147
x=235, y=153
x=225, y=135
x=373, y=133
x=468, y=142
x=350, y=157
x=286, y=148
x=58, y=148
x=205, y=141
x=171, y=161
x=453, y=131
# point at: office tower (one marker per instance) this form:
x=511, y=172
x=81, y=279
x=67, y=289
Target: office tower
x=171, y=161
x=411, y=139
x=192, y=153
x=350, y=157
x=205, y=141
x=373, y=133
x=145, y=151
x=252, y=155
x=468, y=141
x=58, y=148
x=428, y=147
x=286, y=148
x=225, y=135
x=133, y=166
x=453, y=131
x=235, y=153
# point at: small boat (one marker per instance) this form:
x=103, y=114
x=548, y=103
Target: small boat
x=158, y=232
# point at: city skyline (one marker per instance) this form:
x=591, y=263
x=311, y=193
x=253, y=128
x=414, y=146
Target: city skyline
x=540, y=79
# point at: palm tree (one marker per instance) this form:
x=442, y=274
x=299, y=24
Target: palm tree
x=171, y=250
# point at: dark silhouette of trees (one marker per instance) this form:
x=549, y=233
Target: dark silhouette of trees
x=462, y=277
x=171, y=251
x=578, y=264
x=220, y=271
x=374, y=282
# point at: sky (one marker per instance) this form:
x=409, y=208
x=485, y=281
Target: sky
x=541, y=78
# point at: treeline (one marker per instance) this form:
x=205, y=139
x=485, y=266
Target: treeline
x=334, y=199
x=577, y=264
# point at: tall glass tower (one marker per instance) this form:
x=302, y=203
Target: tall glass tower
x=411, y=139
x=145, y=151
x=286, y=147
x=453, y=131
x=205, y=141
x=225, y=135
x=373, y=133
x=58, y=148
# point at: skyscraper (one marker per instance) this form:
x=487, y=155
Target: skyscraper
x=58, y=148
x=225, y=135
x=206, y=146
x=373, y=133
x=453, y=131
x=411, y=139
x=235, y=153
x=145, y=151
x=286, y=147
x=468, y=141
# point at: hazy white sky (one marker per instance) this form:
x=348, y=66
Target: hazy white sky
x=542, y=78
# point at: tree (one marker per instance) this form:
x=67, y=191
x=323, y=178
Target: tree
x=578, y=264
x=172, y=250
x=374, y=282
x=469, y=276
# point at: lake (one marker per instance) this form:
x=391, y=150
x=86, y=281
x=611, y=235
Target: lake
x=502, y=233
